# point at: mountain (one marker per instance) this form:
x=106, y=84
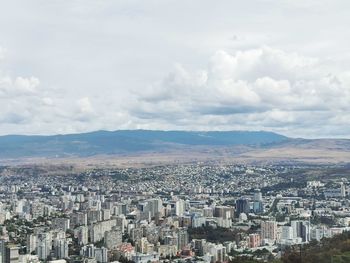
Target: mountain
x=124, y=142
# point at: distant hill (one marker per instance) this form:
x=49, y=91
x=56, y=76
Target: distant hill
x=126, y=142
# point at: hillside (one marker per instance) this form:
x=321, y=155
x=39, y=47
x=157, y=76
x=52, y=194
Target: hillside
x=143, y=147
x=127, y=142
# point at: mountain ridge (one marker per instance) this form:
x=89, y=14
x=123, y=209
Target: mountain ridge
x=127, y=141
x=137, y=147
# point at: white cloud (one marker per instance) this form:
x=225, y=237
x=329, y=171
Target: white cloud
x=261, y=88
x=2, y=53
x=26, y=85
x=84, y=105
x=260, y=64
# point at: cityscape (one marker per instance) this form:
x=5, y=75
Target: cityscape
x=177, y=213
x=174, y=131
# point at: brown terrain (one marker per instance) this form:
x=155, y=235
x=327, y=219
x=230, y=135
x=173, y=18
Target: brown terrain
x=322, y=151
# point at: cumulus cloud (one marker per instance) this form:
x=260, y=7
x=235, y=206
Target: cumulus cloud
x=2, y=53
x=85, y=111
x=268, y=67
x=26, y=85
x=19, y=99
x=84, y=105
x=261, y=88
x=28, y=107
x=255, y=89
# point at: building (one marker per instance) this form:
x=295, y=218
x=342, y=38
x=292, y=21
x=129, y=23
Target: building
x=179, y=207
x=257, y=195
x=31, y=243
x=166, y=250
x=269, y=230
x=44, y=245
x=113, y=238
x=182, y=238
x=287, y=233
x=82, y=234
x=199, y=245
x=126, y=250
x=2, y=251
x=78, y=219
x=223, y=212
x=145, y=258
x=61, y=223
x=254, y=240
x=258, y=207
x=97, y=230
x=101, y=255
x=217, y=252
x=301, y=229
x=61, y=248
x=242, y=206
x=12, y=253
x=88, y=251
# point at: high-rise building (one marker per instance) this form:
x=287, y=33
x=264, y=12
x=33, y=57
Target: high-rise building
x=2, y=251
x=342, y=189
x=258, y=207
x=61, y=223
x=257, y=195
x=319, y=232
x=44, y=245
x=269, y=230
x=182, y=238
x=121, y=222
x=254, y=240
x=179, y=207
x=78, y=219
x=82, y=234
x=11, y=253
x=88, y=251
x=242, y=206
x=223, y=211
x=61, y=248
x=101, y=255
x=301, y=229
x=97, y=231
x=208, y=212
x=113, y=238
x=121, y=209
x=136, y=234
x=31, y=243
x=145, y=210
x=155, y=205
x=217, y=252
x=198, y=245
x=106, y=214
x=287, y=232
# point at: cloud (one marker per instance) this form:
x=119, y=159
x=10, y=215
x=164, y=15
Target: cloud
x=20, y=99
x=26, y=85
x=85, y=111
x=255, y=89
x=2, y=53
x=106, y=66
x=85, y=106
x=263, y=88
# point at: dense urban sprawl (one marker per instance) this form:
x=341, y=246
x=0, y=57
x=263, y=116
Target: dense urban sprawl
x=179, y=213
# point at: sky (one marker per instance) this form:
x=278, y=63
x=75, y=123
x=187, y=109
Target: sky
x=84, y=65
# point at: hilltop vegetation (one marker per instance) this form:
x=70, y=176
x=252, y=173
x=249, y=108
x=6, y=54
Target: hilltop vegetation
x=328, y=250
